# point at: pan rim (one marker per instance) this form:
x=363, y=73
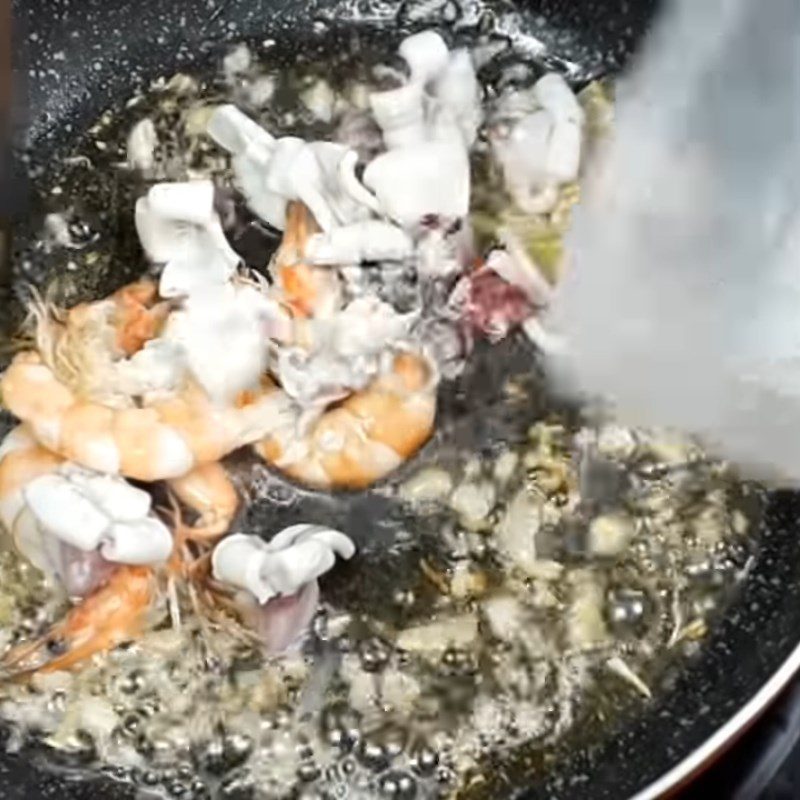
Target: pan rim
x=715, y=745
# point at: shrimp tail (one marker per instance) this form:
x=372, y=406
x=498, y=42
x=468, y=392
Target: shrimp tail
x=113, y=614
x=306, y=290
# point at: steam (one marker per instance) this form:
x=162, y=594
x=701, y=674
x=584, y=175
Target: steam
x=682, y=303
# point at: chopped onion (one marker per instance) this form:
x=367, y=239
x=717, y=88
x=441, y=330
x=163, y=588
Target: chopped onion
x=142, y=143
x=610, y=534
x=516, y=532
x=505, y=465
x=586, y=626
x=473, y=502
x=503, y=612
x=428, y=485
x=320, y=100
x=435, y=637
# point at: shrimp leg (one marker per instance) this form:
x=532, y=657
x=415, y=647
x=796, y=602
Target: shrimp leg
x=113, y=614
x=208, y=491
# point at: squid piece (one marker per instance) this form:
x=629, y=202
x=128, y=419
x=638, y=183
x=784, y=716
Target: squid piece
x=252, y=150
x=178, y=227
x=341, y=353
x=280, y=577
x=442, y=253
x=539, y=148
x=369, y=240
x=98, y=537
x=141, y=145
x=426, y=54
x=223, y=333
x=93, y=533
x=459, y=95
x=400, y=113
x=72, y=523
x=358, y=131
x=274, y=172
x=416, y=181
x=365, y=326
x=281, y=567
x=440, y=102
x=428, y=125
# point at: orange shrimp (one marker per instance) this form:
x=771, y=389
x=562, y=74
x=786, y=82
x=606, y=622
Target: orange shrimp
x=208, y=490
x=22, y=460
x=117, y=610
x=306, y=290
x=138, y=317
x=133, y=313
x=166, y=439
x=113, y=614
x=365, y=437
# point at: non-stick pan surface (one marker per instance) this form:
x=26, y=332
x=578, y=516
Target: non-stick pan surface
x=77, y=57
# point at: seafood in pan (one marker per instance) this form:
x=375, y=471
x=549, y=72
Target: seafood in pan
x=184, y=481
x=329, y=383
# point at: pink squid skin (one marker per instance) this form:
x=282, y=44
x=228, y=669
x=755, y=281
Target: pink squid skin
x=82, y=571
x=282, y=623
x=491, y=306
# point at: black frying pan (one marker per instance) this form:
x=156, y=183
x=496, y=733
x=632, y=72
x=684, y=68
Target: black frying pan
x=74, y=58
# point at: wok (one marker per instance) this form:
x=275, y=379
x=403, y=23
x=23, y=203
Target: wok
x=74, y=58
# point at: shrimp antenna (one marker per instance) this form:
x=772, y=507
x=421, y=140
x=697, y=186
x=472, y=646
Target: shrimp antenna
x=25, y=336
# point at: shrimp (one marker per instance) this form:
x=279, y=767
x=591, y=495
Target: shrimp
x=97, y=536
x=80, y=528
x=366, y=436
x=207, y=489
x=81, y=343
x=307, y=291
x=138, y=317
x=164, y=439
x=119, y=597
x=115, y=613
